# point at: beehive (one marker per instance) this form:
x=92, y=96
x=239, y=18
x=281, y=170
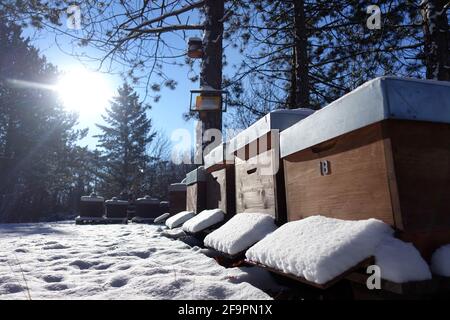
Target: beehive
x=116, y=208
x=92, y=206
x=196, y=190
x=259, y=176
x=220, y=182
x=381, y=151
x=147, y=208
x=177, y=197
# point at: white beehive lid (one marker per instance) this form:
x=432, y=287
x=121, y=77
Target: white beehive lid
x=197, y=175
x=219, y=155
x=376, y=100
x=148, y=199
x=114, y=200
x=278, y=120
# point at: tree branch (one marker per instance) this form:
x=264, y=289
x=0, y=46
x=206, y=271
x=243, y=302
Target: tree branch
x=159, y=30
x=169, y=14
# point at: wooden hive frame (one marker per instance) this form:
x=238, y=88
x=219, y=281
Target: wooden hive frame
x=258, y=171
x=220, y=181
x=177, y=198
x=196, y=190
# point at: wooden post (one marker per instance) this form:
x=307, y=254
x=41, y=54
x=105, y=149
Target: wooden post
x=211, y=70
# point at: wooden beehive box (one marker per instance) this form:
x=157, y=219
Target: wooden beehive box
x=147, y=208
x=258, y=173
x=381, y=151
x=92, y=206
x=220, y=182
x=177, y=197
x=116, y=208
x=196, y=190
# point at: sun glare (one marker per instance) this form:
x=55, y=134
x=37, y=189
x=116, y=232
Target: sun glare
x=84, y=91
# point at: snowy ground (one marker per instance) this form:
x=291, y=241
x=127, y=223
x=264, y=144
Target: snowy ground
x=64, y=261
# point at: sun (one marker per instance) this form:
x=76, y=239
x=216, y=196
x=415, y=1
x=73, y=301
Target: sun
x=84, y=91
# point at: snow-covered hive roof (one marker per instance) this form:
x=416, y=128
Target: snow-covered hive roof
x=161, y=218
x=218, y=156
x=278, y=119
x=440, y=261
x=148, y=200
x=203, y=220
x=319, y=249
x=376, y=100
x=240, y=232
x=116, y=201
x=92, y=198
x=178, y=219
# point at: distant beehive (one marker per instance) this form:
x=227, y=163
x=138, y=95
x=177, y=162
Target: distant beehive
x=92, y=206
x=116, y=208
x=164, y=206
x=177, y=197
x=259, y=175
x=196, y=190
x=220, y=182
x=147, y=207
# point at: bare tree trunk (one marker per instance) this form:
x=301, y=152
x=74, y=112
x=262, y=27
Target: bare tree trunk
x=437, y=39
x=301, y=56
x=211, y=70
x=292, y=99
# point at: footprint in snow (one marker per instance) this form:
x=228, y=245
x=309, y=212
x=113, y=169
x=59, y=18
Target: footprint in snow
x=52, y=278
x=57, y=257
x=56, y=287
x=82, y=265
x=103, y=266
x=55, y=246
x=21, y=250
x=142, y=254
x=123, y=267
x=9, y=288
x=118, y=281
x=51, y=242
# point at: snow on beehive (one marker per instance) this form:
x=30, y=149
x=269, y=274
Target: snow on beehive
x=242, y=231
x=203, y=220
x=178, y=219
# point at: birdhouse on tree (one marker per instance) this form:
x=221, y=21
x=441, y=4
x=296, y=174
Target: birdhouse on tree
x=195, y=48
x=208, y=99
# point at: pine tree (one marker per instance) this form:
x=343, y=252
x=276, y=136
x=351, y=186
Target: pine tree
x=299, y=53
x=437, y=38
x=35, y=132
x=123, y=143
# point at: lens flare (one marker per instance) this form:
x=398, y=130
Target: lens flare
x=84, y=91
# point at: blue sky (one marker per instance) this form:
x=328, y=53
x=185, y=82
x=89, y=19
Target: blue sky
x=166, y=114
